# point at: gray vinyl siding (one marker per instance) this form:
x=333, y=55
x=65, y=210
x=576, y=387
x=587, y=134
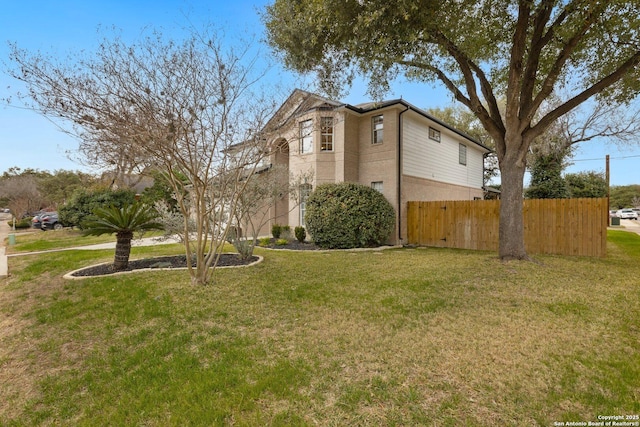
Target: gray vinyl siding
x=425, y=158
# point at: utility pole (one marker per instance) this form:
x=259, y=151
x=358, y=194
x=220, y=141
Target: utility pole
x=608, y=195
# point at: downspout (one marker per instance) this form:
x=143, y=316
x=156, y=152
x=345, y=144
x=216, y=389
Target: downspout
x=399, y=189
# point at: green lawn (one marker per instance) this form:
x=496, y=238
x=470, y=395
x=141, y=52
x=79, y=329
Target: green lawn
x=402, y=337
x=33, y=240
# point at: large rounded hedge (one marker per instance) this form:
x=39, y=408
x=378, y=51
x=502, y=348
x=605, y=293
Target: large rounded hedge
x=348, y=215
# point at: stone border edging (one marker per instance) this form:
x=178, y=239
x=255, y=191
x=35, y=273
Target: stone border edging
x=70, y=276
x=376, y=249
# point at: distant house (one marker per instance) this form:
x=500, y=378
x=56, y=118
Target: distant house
x=392, y=146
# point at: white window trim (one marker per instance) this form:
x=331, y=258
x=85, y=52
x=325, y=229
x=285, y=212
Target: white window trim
x=374, y=130
x=323, y=133
x=305, y=191
x=306, y=136
x=462, y=154
x=434, y=134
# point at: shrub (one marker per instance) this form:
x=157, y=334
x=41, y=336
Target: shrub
x=286, y=232
x=244, y=248
x=282, y=242
x=265, y=241
x=348, y=215
x=243, y=245
x=300, y=233
x=276, y=231
x=21, y=224
x=82, y=204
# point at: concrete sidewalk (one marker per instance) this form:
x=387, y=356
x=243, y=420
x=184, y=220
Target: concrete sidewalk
x=630, y=225
x=147, y=241
x=5, y=230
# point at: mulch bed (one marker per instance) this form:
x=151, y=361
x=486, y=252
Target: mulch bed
x=292, y=245
x=177, y=261
x=180, y=261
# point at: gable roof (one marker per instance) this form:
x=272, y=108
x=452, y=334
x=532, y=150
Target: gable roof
x=298, y=103
x=301, y=102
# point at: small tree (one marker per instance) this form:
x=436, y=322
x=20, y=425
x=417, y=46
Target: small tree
x=22, y=195
x=20, y=190
x=124, y=222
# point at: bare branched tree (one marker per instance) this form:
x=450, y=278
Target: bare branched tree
x=176, y=106
x=612, y=122
x=22, y=194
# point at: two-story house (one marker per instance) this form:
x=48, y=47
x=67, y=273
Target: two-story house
x=392, y=146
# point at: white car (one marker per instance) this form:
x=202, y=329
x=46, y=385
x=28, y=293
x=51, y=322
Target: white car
x=627, y=214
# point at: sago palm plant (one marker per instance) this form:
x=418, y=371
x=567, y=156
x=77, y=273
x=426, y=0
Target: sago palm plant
x=124, y=222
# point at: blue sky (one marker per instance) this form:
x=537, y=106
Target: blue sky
x=28, y=140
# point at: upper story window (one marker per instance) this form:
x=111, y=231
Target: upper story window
x=434, y=134
x=326, y=134
x=462, y=154
x=306, y=136
x=378, y=128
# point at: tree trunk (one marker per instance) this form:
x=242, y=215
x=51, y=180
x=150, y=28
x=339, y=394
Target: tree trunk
x=200, y=276
x=123, y=250
x=511, y=240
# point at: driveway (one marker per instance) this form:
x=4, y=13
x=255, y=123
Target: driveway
x=631, y=225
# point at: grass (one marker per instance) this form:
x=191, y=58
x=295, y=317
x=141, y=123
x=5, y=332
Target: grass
x=33, y=240
x=38, y=240
x=399, y=337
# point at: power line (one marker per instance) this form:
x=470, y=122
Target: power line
x=602, y=158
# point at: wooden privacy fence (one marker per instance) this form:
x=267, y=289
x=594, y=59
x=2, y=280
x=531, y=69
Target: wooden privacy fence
x=551, y=226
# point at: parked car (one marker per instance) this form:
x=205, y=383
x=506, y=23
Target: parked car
x=35, y=221
x=613, y=214
x=50, y=221
x=627, y=214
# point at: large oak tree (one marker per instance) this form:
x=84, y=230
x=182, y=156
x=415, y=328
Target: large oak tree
x=518, y=51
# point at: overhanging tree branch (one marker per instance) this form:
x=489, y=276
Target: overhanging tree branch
x=596, y=88
x=567, y=50
x=538, y=41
